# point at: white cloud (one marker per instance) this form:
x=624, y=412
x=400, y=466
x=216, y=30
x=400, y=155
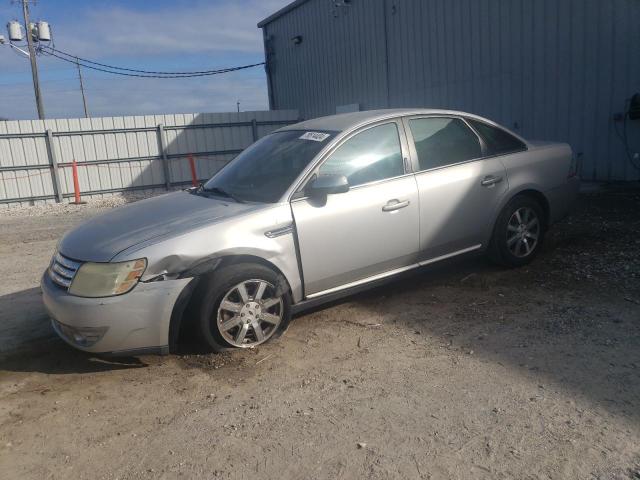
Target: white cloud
x=107, y=97
x=197, y=28
x=185, y=28
x=182, y=96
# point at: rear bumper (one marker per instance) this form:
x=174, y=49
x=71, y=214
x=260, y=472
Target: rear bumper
x=563, y=199
x=126, y=324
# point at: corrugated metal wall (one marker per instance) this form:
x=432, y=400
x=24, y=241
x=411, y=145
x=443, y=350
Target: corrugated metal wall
x=122, y=153
x=549, y=69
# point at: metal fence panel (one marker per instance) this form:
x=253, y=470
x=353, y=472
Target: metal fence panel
x=117, y=154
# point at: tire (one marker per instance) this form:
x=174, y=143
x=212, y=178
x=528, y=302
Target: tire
x=256, y=308
x=518, y=233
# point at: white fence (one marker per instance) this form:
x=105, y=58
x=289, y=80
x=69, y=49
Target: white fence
x=118, y=154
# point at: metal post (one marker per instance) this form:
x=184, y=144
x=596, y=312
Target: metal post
x=84, y=99
x=163, y=155
x=254, y=129
x=76, y=183
x=268, y=66
x=55, y=173
x=32, y=57
x=194, y=173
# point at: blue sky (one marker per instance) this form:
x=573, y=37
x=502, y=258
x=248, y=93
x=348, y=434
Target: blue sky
x=152, y=35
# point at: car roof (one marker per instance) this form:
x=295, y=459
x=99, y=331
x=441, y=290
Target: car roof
x=348, y=121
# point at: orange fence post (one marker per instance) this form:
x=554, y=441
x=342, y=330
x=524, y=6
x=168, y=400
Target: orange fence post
x=76, y=182
x=194, y=176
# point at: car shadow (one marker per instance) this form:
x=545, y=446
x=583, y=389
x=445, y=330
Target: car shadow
x=567, y=322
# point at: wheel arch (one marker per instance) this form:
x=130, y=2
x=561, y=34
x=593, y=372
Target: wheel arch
x=191, y=294
x=539, y=197
x=531, y=191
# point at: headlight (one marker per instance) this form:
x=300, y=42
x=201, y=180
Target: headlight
x=107, y=279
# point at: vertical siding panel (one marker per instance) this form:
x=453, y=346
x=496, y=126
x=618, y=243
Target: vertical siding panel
x=506, y=68
x=5, y=158
x=61, y=142
x=629, y=68
x=517, y=108
x=604, y=123
x=591, y=88
x=17, y=159
x=577, y=79
x=476, y=91
x=21, y=177
x=124, y=174
x=528, y=124
x=486, y=57
x=28, y=146
x=467, y=60
x=450, y=40
x=549, y=58
x=154, y=150
x=564, y=72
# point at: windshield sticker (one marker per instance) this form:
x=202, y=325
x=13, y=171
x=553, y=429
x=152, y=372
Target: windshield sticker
x=315, y=136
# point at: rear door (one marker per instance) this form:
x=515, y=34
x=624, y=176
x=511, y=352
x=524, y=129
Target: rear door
x=373, y=228
x=459, y=189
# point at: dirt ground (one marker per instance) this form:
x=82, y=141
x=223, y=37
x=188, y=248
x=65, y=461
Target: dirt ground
x=462, y=371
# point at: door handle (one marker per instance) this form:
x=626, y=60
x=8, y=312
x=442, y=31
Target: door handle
x=490, y=180
x=393, y=205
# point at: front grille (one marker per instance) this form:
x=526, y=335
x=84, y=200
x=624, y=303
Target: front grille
x=62, y=270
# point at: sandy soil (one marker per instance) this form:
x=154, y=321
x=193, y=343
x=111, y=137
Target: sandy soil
x=463, y=371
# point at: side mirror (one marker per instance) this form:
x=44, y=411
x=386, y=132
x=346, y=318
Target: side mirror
x=324, y=185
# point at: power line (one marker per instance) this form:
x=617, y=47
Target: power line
x=139, y=73
x=151, y=72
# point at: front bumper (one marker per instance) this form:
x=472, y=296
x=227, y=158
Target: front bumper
x=137, y=321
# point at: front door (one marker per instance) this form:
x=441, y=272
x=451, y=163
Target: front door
x=373, y=228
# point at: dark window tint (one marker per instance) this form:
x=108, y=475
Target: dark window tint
x=372, y=155
x=264, y=171
x=443, y=141
x=498, y=141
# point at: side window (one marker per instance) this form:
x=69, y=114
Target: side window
x=443, y=141
x=498, y=141
x=372, y=155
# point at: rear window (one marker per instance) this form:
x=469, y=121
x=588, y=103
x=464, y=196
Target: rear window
x=498, y=141
x=442, y=141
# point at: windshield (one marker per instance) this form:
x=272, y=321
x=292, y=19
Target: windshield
x=264, y=171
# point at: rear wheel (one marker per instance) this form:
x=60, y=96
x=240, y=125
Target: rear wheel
x=244, y=306
x=518, y=233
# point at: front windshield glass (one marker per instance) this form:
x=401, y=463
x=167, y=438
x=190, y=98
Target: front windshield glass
x=264, y=171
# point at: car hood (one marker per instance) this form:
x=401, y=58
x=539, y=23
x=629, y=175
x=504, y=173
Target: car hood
x=104, y=236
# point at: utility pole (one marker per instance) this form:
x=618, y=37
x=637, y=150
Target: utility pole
x=84, y=100
x=32, y=57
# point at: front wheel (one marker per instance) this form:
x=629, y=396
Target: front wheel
x=244, y=306
x=518, y=233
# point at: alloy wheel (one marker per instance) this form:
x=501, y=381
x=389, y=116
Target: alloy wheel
x=249, y=313
x=523, y=232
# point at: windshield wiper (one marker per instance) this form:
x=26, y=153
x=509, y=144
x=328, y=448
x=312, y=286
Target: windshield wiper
x=222, y=192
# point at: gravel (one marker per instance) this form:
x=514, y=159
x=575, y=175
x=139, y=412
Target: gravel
x=96, y=203
x=465, y=370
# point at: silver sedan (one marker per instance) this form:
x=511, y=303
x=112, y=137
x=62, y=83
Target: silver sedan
x=310, y=212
